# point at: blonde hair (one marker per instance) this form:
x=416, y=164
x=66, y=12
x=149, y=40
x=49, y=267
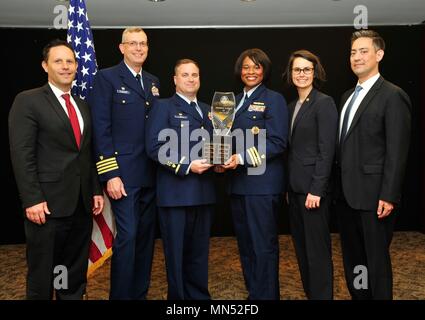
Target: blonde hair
x=131, y=30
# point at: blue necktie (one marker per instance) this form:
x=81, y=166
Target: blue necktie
x=347, y=114
x=194, y=104
x=139, y=79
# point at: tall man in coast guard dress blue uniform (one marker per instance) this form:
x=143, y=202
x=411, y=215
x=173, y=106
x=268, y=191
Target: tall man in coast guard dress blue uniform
x=120, y=102
x=185, y=189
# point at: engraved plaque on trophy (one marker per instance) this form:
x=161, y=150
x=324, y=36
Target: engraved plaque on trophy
x=219, y=150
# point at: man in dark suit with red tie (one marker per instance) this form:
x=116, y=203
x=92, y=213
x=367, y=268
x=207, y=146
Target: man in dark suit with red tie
x=50, y=146
x=374, y=134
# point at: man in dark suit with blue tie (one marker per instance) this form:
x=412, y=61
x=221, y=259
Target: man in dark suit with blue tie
x=120, y=102
x=374, y=134
x=185, y=189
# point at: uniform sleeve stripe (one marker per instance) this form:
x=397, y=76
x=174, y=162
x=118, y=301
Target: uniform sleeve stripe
x=180, y=162
x=254, y=163
x=257, y=155
x=107, y=169
x=106, y=161
x=104, y=165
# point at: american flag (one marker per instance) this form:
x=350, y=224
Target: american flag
x=81, y=38
x=79, y=35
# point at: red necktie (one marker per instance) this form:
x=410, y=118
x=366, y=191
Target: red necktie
x=73, y=118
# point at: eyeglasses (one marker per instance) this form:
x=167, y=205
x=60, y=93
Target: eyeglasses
x=135, y=44
x=307, y=71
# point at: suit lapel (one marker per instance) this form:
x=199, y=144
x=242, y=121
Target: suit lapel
x=304, y=107
x=129, y=80
x=186, y=108
x=291, y=109
x=257, y=92
x=363, y=105
x=205, y=109
x=57, y=108
x=150, y=85
x=147, y=85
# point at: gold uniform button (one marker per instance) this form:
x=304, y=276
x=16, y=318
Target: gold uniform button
x=123, y=101
x=147, y=116
x=255, y=130
x=147, y=103
x=254, y=117
x=116, y=152
x=174, y=165
x=202, y=127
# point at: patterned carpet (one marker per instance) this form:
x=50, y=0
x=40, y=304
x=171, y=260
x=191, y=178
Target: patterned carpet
x=225, y=279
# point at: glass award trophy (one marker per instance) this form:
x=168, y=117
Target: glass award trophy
x=222, y=115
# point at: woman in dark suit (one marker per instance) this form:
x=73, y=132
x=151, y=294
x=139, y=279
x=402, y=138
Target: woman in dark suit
x=257, y=180
x=313, y=128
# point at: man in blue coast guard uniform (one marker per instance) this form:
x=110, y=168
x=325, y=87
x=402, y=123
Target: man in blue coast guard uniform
x=120, y=102
x=185, y=189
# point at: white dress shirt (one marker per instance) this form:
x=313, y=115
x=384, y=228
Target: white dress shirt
x=365, y=89
x=135, y=74
x=58, y=93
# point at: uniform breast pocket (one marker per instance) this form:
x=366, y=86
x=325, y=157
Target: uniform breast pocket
x=255, y=119
x=125, y=105
x=177, y=123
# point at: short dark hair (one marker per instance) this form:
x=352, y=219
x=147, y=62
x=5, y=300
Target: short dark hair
x=319, y=71
x=185, y=61
x=259, y=57
x=56, y=43
x=378, y=41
